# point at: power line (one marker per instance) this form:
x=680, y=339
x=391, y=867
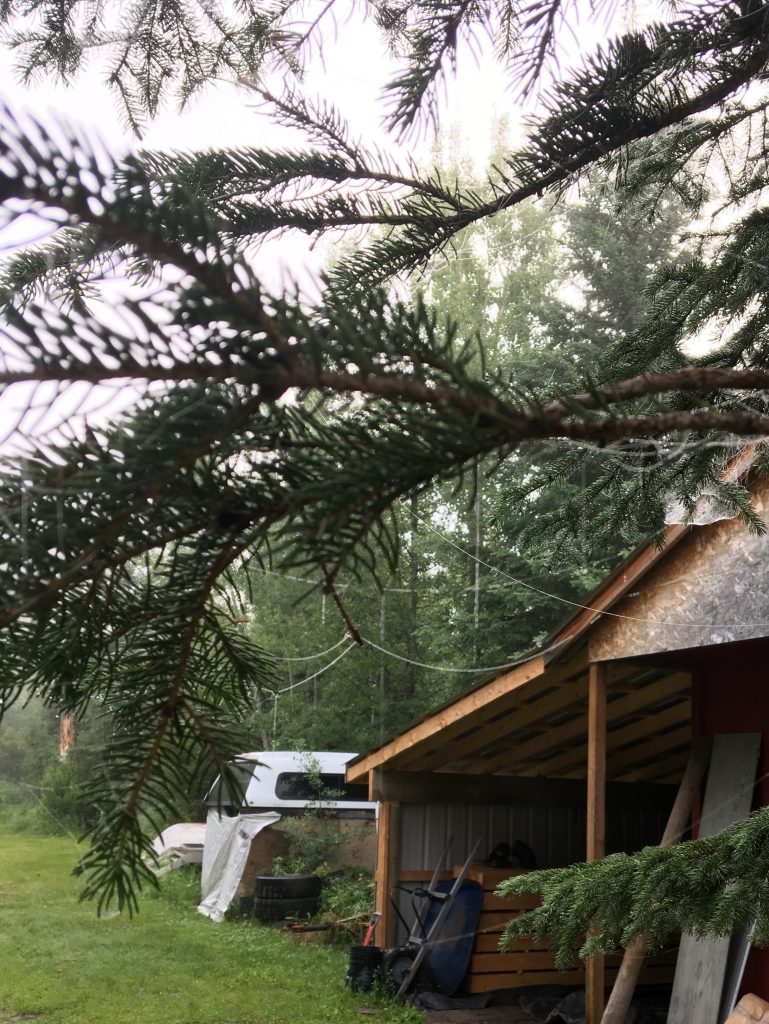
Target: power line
x=320, y=654
x=443, y=668
x=587, y=607
x=309, y=679
x=577, y=604
x=48, y=811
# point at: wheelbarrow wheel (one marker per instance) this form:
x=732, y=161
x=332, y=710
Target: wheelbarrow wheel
x=397, y=963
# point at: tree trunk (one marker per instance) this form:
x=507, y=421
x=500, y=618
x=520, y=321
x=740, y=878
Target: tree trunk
x=475, y=533
x=411, y=643
x=67, y=734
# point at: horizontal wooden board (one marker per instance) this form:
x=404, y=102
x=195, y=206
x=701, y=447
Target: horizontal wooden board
x=496, y=963
x=518, y=979
x=520, y=946
x=491, y=877
x=494, y=919
x=523, y=901
x=488, y=942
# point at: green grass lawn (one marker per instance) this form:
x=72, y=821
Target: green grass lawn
x=60, y=964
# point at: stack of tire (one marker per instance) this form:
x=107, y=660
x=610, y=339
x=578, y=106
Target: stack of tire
x=278, y=897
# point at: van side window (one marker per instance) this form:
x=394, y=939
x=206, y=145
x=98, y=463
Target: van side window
x=296, y=786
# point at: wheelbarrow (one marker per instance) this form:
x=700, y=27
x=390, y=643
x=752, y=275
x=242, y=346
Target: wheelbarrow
x=440, y=939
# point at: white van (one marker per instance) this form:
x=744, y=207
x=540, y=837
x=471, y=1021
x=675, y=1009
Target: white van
x=277, y=780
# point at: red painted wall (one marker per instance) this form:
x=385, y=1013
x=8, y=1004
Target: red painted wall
x=730, y=693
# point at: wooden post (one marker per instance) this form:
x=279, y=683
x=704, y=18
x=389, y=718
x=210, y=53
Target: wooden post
x=596, y=818
x=386, y=870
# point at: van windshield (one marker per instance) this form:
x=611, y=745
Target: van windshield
x=297, y=786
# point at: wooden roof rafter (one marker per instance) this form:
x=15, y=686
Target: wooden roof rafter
x=519, y=755
x=617, y=738
x=447, y=721
x=493, y=720
x=538, y=728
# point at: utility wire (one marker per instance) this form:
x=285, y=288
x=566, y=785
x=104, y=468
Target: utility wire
x=315, y=675
x=48, y=811
x=587, y=607
x=443, y=668
x=320, y=654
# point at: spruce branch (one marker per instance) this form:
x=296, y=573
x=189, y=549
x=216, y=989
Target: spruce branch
x=296, y=372
x=708, y=887
x=113, y=545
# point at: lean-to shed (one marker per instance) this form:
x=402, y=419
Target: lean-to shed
x=578, y=750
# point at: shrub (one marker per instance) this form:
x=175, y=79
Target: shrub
x=347, y=894
x=314, y=835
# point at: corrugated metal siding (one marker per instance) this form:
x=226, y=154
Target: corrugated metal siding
x=632, y=829
x=556, y=834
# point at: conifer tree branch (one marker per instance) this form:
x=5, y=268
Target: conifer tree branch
x=709, y=887
x=299, y=373
x=695, y=379
x=214, y=465
x=122, y=231
x=174, y=697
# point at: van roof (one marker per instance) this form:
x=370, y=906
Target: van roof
x=280, y=758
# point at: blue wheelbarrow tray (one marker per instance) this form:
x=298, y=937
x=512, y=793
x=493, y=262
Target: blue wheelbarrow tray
x=447, y=960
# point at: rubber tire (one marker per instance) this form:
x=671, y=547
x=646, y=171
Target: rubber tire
x=365, y=968
x=287, y=887
x=279, y=910
x=397, y=964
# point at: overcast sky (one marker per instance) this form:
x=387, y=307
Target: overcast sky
x=352, y=72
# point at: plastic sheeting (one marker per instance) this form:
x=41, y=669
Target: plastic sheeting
x=228, y=841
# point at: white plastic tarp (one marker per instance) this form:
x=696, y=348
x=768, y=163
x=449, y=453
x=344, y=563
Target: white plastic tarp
x=228, y=841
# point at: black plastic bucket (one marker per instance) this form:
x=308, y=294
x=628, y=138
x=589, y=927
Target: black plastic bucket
x=365, y=966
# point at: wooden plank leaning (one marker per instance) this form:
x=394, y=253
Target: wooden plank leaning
x=702, y=964
x=632, y=961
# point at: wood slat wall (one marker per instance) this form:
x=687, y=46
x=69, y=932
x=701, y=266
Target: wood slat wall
x=528, y=962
